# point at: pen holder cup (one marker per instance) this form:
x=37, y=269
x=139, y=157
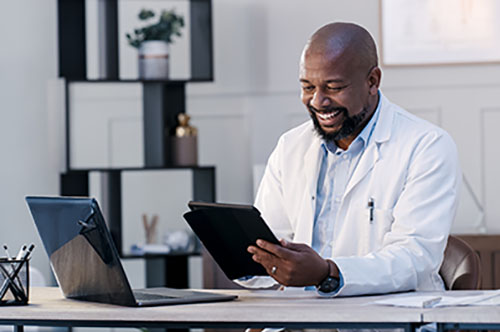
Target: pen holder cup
x=14, y=282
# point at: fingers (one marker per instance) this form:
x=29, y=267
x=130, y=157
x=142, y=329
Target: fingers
x=291, y=264
x=261, y=256
x=274, y=249
x=285, y=251
x=293, y=246
x=266, y=259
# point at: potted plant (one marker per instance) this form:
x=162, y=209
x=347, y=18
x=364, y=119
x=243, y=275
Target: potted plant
x=152, y=41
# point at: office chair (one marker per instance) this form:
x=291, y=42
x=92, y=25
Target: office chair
x=461, y=268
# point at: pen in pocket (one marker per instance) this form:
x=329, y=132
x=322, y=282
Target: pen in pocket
x=371, y=207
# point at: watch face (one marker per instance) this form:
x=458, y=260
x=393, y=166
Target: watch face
x=329, y=285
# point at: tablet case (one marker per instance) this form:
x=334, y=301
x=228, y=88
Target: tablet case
x=226, y=230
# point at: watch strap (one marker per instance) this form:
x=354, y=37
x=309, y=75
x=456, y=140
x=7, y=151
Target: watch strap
x=331, y=282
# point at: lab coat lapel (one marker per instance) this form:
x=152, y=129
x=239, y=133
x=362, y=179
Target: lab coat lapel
x=371, y=155
x=366, y=163
x=312, y=163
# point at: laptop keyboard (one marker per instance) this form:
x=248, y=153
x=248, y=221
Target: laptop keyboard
x=147, y=296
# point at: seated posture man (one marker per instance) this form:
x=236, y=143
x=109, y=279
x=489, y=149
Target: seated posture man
x=363, y=196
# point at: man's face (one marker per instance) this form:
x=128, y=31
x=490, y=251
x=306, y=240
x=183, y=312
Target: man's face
x=336, y=93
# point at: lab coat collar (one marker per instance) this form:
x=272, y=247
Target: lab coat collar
x=371, y=155
x=383, y=128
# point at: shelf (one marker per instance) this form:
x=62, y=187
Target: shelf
x=173, y=254
x=167, y=82
x=138, y=169
x=72, y=39
x=163, y=100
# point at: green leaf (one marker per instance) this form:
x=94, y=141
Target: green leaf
x=144, y=14
x=168, y=24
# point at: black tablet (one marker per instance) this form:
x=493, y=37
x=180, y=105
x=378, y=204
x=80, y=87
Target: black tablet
x=226, y=230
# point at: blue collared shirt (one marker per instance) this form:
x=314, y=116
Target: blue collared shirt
x=337, y=167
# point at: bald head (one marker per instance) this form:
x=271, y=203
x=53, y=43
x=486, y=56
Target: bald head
x=348, y=39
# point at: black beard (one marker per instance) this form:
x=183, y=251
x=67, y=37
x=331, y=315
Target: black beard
x=349, y=126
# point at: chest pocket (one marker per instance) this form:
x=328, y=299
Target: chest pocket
x=371, y=231
x=379, y=227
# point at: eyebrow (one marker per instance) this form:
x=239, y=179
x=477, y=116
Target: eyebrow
x=338, y=80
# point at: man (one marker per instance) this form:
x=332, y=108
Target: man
x=364, y=195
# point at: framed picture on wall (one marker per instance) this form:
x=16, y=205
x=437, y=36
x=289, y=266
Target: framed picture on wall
x=427, y=32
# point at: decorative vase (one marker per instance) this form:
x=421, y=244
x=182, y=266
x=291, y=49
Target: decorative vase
x=185, y=143
x=153, y=60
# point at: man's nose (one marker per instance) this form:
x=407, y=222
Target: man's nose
x=320, y=100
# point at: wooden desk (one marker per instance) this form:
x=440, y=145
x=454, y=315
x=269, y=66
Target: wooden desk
x=465, y=318
x=252, y=309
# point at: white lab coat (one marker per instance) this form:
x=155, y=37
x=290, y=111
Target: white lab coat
x=411, y=171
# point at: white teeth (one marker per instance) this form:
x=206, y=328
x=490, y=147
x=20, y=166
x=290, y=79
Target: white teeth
x=327, y=116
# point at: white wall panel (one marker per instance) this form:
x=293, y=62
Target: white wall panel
x=154, y=192
x=106, y=125
x=491, y=166
x=28, y=68
x=126, y=140
x=269, y=116
x=224, y=142
x=433, y=115
x=92, y=37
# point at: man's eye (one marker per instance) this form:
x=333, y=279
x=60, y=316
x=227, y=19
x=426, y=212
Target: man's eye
x=308, y=88
x=335, y=88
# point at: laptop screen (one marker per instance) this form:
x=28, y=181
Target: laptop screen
x=80, y=248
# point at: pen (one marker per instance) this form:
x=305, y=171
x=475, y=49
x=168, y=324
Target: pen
x=431, y=302
x=371, y=206
x=27, y=253
x=7, y=252
x=21, y=252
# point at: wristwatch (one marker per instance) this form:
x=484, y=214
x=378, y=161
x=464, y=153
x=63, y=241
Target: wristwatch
x=330, y=283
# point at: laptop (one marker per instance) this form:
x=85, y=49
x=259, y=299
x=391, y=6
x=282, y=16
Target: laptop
x=85, y=260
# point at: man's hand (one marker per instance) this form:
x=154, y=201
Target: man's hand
x=291, y=264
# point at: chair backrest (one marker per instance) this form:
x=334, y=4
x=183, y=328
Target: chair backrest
x=461, y=268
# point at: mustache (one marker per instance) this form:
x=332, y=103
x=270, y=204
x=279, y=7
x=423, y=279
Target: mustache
x=327, y=109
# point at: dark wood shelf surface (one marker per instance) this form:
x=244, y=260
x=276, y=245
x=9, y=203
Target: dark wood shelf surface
x=172, y=82
x=138, y=169
x=166, y=255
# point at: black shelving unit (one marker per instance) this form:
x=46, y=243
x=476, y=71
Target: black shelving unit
x=161, y=269
x=163, y=100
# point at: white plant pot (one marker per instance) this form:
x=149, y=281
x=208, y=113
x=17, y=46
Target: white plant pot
x=153, y=60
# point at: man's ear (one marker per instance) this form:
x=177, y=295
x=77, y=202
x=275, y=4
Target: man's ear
x=374, y=80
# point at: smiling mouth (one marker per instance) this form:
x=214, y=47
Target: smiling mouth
x=329, y=115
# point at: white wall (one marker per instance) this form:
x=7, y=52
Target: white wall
x=28, y=62
x=254, y=99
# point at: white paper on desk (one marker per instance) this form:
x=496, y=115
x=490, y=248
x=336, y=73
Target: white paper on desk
x=481, y=298
x=410, y=301
x=492, y=300
x=466, y=299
